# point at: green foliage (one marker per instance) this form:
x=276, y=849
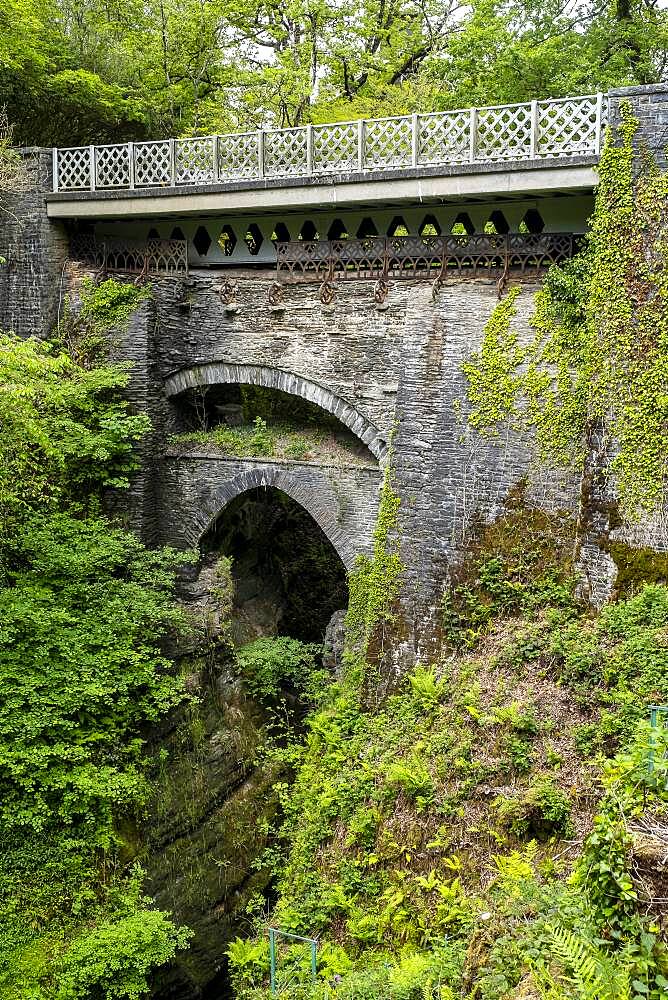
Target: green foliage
x=251, y=441
x=12, y=169
x=298, y=439
x=542, y=811
x=518, y=564
x=493, y=384
x=270, y=665
x=114, y=958
x=605, y=871
x=63, y=430
x=363, y=859
x=599, y=358
x=298, y=448
x=86, y=608
x=616, y=661
x=103, y=309
x=428, y=690
x=374, y=584
x=73, y=75
x=111, y=303
x=413, y=778
x=591, y=972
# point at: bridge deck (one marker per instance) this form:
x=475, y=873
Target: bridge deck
x=513, y=149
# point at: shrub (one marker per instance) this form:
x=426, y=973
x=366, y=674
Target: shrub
x=413, y=778
x=298, y=448
x=269, y=665
x=542, y=812
x=113, y=959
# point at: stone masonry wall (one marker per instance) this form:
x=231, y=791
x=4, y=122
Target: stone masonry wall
x=399, y=367
x=650, y=106
x=194, y=490
x=35, y=251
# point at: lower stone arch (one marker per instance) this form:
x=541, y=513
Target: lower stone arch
x=219, y=373
x=321, y=506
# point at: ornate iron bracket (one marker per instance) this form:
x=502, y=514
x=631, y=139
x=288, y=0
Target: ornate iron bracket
x=276, y=294
x=228, y=296
x=380, y=291
x=327, y=292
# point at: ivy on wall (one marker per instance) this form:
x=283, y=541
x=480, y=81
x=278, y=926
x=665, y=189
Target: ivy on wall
x=374, y=585
x=493, y=379
x=599, y=356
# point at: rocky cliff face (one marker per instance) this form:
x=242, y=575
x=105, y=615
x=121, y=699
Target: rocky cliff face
x=208, y=819
x=206, y=827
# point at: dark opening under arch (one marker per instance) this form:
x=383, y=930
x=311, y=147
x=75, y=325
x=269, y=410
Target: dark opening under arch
x=289, y=578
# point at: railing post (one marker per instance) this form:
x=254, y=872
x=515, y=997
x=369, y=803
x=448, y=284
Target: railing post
x=172, y=162
x=309, y=150
x=473, y=137
x=91, y=165
x=216, y=161
x=272, y=959
x=599, y=124
x=360, y=144
x=54, y=154
x=131, y=166
x=415, y=140
x=260, y=153
x=533, y=151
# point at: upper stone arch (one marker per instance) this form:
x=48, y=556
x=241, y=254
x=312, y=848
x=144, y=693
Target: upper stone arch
x=219, y=373
x=319, y=500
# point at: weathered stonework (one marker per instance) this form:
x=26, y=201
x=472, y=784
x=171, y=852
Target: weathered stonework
x=343, y=501
x=399, y=368
x=650, y=107
x=35, y=251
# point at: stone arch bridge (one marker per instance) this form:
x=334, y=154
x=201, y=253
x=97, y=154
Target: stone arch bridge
x=353, y=266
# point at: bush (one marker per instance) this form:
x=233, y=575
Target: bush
x=113, y=959
x=542, y=812
x=270, y=665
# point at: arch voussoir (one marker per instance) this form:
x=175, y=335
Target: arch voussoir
x=220, y=373
x=319, y=500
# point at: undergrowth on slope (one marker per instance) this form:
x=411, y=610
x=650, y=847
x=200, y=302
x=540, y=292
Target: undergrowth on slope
x=450, y=841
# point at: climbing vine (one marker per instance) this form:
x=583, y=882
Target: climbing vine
x=493, y=379
x=599, y=359
x=374, y=584
x=86, y=332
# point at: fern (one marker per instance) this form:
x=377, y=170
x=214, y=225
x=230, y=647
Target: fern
x=593, y=973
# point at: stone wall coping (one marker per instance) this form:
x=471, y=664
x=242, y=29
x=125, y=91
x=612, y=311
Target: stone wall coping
x=258, y=460
x=648, y=88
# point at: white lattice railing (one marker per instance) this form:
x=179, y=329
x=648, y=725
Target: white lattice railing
x=570, y=126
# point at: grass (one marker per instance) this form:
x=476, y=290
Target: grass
x=281, y=440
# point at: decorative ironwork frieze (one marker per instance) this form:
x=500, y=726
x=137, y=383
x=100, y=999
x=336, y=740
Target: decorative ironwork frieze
x=564, y=127
x=435, y=258
x=126, y=256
